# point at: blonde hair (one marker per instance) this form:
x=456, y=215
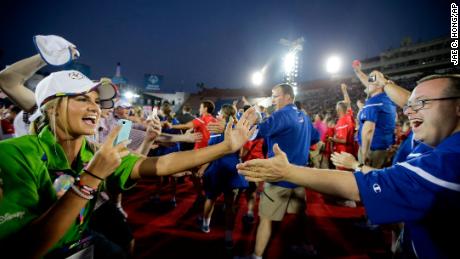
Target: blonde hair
x=138, y=111
x=47, y=119
x=60, y=106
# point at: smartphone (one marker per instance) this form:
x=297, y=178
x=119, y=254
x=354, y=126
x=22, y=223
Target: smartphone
x=372, y=79
x=124, y=132
x=153, y=114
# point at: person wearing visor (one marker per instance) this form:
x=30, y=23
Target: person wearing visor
x=49, y=179
x=122, y=109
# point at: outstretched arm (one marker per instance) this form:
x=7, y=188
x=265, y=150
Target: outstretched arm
x=347, y=160
x=13, y=77
x=346, y=97
x=180, y=161
x=187, y=137
x=277, y=168
x=185, y=126
x=360, y=74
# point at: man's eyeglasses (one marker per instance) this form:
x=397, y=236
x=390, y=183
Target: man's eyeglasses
x=419, y=104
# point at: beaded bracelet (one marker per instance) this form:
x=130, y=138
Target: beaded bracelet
x=84, y=188
x=93, y=175
x=77, y=191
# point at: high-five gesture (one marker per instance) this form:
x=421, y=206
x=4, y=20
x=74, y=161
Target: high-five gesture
x=237, y=136
x=270, y=170
x=153, y=128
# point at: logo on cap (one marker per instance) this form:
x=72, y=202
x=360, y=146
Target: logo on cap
x=76, y=75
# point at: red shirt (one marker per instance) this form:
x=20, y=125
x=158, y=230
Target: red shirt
x=7, y=127
x=344, y=129
x=328, y=150
x=254, y=149
x=199, y=125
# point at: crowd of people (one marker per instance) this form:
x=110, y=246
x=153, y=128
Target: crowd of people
x=393, y=151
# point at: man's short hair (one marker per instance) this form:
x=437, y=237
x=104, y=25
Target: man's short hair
x=287, y=89
x=454, y=83
x=330, y=120
x=343, y=105
x=209, y=105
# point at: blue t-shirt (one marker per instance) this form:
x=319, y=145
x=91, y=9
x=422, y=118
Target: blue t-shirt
x=222, y=175
x=380, y=110
x=230, y=159
x=424, y=193
x=294, y=133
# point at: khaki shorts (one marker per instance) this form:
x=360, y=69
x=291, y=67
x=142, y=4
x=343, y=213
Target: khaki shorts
x=276, y=201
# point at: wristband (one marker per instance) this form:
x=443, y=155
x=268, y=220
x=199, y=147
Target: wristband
x=93, y=175
x=80, y=193
x=88, y=190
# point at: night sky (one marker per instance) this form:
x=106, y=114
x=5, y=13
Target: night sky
x=217, y=42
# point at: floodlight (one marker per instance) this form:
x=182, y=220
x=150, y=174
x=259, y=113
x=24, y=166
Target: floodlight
x=333, y=64
x=289, y=62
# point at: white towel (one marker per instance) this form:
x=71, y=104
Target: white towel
x=55, y=50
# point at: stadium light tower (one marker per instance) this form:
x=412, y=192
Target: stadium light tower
x=291, y=60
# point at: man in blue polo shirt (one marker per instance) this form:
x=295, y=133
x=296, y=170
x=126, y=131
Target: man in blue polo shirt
x=377, y=121
x=294, y=132
x=376, y=129
x=423, y=192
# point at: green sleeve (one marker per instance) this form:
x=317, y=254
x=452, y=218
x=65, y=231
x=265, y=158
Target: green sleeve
x=21, y=183
x=121, y=177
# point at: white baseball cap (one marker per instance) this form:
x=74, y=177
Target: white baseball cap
x=71, y=83
x=123, y=104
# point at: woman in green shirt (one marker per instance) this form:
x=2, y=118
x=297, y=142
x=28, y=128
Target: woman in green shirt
x=39, y=217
